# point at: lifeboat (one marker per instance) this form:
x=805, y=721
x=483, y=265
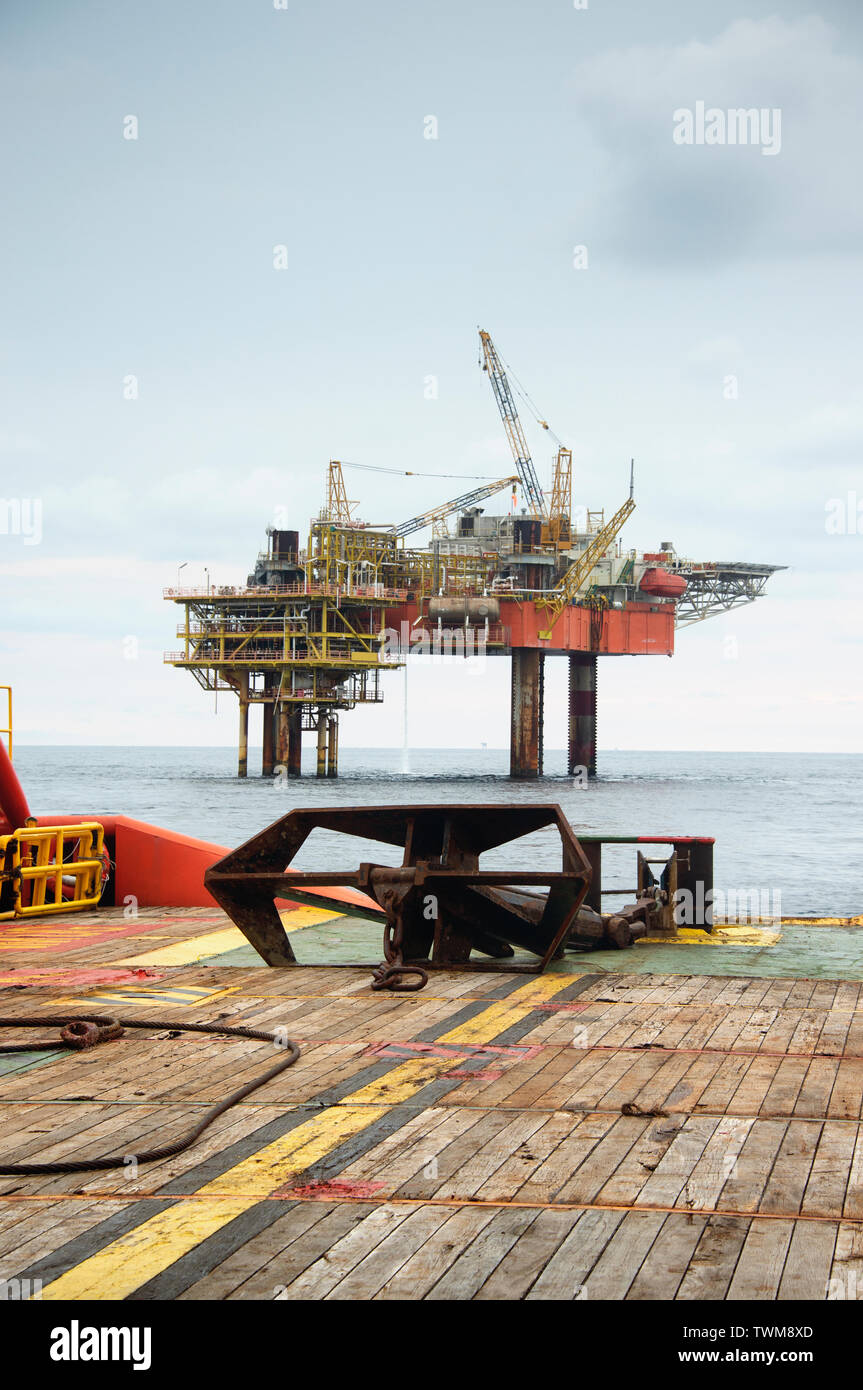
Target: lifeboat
x=660, y=583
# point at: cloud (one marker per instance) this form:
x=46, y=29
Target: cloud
x=717, y=351
x=691, y=205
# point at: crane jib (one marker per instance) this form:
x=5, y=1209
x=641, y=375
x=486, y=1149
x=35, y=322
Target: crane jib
x=512, y=425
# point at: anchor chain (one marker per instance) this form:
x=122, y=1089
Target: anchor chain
x=391, y=973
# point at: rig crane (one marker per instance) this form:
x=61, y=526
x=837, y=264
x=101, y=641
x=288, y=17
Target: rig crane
x=458, y=504
x=511, y=423
x=579, y=571
x=555, y=515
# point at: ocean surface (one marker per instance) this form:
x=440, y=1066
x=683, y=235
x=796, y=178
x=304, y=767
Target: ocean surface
x=785, y=824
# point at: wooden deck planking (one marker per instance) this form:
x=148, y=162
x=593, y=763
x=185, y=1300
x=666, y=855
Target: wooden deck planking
x=486, y=1155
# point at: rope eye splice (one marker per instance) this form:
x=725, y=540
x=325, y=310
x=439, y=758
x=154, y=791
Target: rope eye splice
x=83, y=1031
x=81, y=1034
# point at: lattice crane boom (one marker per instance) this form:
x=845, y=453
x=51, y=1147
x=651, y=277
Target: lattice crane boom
x=339, y=507
x=511, y=423
x=457, y=504
x=579, y=571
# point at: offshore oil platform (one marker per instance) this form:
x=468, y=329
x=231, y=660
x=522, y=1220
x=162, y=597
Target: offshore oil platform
x=314, y=627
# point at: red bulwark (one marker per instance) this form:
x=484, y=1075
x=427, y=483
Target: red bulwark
x=154, y=867
x=161, y=868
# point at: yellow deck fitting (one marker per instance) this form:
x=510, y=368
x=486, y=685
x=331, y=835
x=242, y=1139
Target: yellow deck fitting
x=41, y=863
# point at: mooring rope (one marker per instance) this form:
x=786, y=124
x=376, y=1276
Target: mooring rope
x=81, y=1031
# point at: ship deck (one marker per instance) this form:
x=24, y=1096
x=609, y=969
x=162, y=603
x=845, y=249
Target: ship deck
x=677, y=1122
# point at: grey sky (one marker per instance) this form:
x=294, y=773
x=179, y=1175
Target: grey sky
x=259, y=127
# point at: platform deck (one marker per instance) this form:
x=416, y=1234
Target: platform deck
x=631, y=1134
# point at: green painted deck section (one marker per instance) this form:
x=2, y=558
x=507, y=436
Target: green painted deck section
x=811, y=953
x=808, y=952
x=11, y=1063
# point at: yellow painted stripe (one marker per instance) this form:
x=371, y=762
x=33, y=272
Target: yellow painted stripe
x=213, y=943
x=158, y=997
x=146, y=1250
x=720, y=936
x=134, y=1258
x=502, y=1013
x=218, y=943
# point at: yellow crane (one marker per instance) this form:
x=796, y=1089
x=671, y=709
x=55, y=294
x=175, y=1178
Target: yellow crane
x=558, y=529
x=339, y=507
x=579, y=571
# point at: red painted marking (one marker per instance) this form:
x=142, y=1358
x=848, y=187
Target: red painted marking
x=404, y=1050
x=46, y=979
x=72, y=936
x=327, y=1191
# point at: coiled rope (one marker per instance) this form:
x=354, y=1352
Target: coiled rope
x=81, y=1031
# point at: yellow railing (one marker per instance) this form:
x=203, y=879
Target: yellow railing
x=38, y=864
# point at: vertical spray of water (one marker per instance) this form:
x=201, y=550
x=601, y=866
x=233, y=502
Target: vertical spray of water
x=406, y=755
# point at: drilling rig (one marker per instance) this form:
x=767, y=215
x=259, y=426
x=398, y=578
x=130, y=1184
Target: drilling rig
x=315, y=626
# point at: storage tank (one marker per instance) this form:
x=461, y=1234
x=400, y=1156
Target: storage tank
x=458, y=611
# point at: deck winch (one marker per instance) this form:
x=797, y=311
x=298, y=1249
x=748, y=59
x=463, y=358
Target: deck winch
x=439, y=906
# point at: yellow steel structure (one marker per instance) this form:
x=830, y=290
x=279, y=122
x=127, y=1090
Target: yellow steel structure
x=578, y=573
x=38, y=862
x=303, y=649
x=558, y=529
x=339, y=507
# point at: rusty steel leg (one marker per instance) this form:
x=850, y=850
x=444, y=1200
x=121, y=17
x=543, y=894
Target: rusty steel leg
x=281, y=718
x=243, y=751
x=333, y=747
x=268, y=754
x=321, y=770
x=294, y=735
x=525, y=748
x=582, y=713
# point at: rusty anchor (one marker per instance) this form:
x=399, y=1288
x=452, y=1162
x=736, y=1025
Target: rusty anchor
x=437, y=908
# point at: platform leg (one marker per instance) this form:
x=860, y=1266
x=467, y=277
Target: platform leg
x=269, y=733
x=582, y=713
x=333, y=747
x=322, y=744
x=243, y=751
x=295, y=742
x=281, y=713
x=525, y=748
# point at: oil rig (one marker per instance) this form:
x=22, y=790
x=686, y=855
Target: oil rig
x=314, y=627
